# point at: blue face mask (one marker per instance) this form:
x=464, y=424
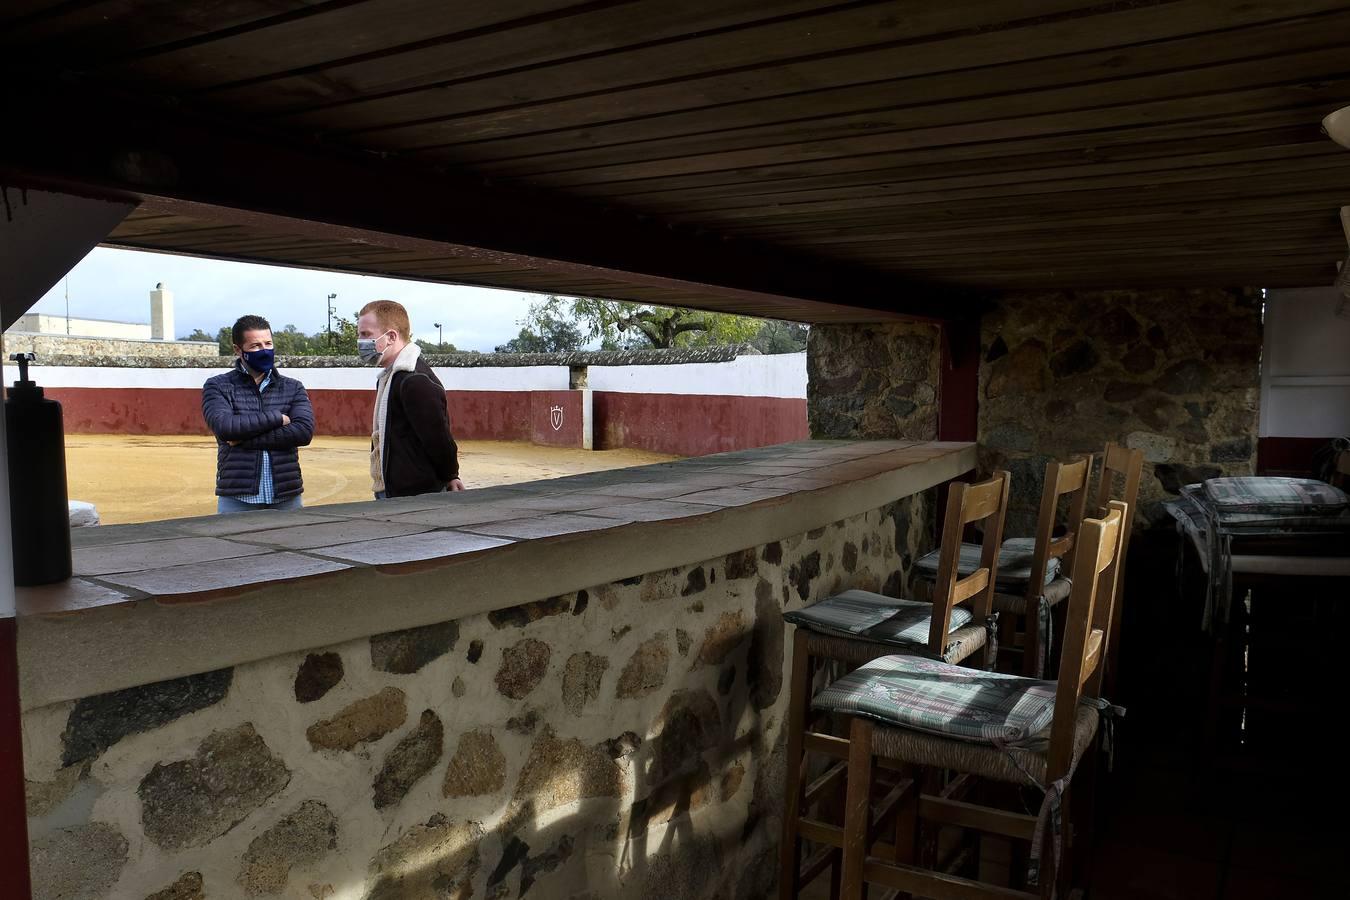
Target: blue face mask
x=260, y=360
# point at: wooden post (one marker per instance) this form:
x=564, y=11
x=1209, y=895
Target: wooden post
x=959, y=381
x=13, y=814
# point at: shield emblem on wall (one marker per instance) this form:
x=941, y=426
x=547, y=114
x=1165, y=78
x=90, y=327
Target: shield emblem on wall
x=555, y=417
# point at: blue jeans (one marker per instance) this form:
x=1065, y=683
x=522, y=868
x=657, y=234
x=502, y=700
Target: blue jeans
x=235, y=505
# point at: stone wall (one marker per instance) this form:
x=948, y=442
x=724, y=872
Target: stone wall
x=621, y=741
x=1174, y=373
x=92, y=351
x=873, y=381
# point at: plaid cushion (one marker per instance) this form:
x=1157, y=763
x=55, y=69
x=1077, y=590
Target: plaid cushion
x=863, y=614
x=1271, y=494
x=1014, y=563
x=1279, y=518
x=939, y=698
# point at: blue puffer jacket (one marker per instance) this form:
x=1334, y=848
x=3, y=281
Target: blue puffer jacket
x=235, y=410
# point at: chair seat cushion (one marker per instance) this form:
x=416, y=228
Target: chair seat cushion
x=1008, y=764
x=874, y=617
x=1275, y=495
x=939, y=698
x=1014, y=563
x=962, y=644
x=1055, y=592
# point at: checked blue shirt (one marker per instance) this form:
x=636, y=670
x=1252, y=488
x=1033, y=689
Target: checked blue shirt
x=266, y=492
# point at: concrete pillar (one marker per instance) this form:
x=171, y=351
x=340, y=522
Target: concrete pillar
x=578, y=379
x=161, y=313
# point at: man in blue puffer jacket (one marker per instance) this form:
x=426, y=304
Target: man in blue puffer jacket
x=260, y=418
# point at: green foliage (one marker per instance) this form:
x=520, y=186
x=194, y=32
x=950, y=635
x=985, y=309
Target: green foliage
x=291, y=341
x=198, y=335
x=546, y=330
x=780, y=337
x=623, y=325
x=435, y=348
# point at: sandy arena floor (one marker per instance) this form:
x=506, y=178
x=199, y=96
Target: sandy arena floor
x=144, y=478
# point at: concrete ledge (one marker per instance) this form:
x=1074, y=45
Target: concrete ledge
x=168, y=599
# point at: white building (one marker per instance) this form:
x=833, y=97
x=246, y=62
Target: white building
x=159, y=328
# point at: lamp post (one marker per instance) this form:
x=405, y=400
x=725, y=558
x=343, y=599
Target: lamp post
x=331, y=309
x=440, y=338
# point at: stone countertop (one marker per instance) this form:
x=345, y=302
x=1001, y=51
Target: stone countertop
x=164, y=599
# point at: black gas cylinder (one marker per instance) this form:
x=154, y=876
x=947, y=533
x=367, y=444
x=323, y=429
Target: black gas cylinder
x=39, y=516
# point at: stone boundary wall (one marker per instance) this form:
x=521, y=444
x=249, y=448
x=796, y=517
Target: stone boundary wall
x=129, y=359
x=54, y=347
x=621, y=741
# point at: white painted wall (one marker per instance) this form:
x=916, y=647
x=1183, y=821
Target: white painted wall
x=1305, y=366
x=781, y=375
x=777, y=375
x=45, y=323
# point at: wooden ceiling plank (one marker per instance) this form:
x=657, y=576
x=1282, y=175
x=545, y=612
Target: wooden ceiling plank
x=909, y=83
x=1124, y=141
x=1336, y=166
x=420, y=85
x=1243, y=87
x=363, y=32
x=1206, y=166
x=103, y=29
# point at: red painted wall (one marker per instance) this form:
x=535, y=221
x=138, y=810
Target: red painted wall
x=696, y=424
x=681, y=424
x=474, y=415
x=1290, y=456
x=570, y=423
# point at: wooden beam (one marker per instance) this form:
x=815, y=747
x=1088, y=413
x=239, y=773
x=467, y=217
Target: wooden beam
x=981, y=818
x=936, y=885
x=228, y=172
x=13, y=818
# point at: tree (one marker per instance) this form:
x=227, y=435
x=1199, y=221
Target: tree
x=545, y=331
x=432, y=347
x=776, y=336
x=621, y=324
x=198, y=335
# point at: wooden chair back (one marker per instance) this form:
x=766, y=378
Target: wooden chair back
x=1121, y=471
x=985, y=503
x=1087, y=631
x=1061, y=479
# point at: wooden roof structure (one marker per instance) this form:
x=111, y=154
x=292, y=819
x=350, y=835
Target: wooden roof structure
x=821, y=161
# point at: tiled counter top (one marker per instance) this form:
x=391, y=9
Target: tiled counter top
x=160, y=600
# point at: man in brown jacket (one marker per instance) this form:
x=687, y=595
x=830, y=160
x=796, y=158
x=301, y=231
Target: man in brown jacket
x=411, y=448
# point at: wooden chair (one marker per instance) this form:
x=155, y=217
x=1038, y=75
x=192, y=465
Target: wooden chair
x=1044, y=588
x=858, y=626
x=909, y=711
x=1121, y=472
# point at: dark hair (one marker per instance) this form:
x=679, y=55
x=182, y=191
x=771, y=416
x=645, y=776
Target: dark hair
x=248, y=323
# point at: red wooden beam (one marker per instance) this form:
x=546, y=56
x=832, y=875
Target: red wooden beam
x=959, y=386
x=13, y=813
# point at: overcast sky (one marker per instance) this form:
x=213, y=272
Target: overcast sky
x=116, y=284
